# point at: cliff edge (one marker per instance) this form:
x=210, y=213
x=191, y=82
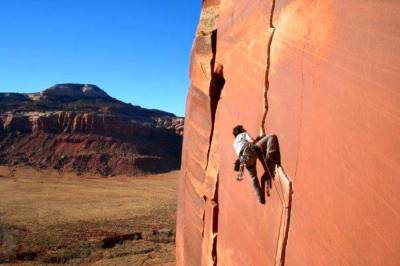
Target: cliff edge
x=321, y=75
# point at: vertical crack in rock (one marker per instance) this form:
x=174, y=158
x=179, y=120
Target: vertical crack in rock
x=213, y=92
x=267, y=82
x=285, y=182
x=204, y=216
x=216, y=85
x=287, y=192
x=215, y=213
x=217, y=82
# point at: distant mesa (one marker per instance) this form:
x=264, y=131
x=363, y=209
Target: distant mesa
x=79, y=127
x=76, y=90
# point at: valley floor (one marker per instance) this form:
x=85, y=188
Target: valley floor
x=47, y=217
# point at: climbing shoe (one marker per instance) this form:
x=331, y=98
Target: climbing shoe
x=261, y=200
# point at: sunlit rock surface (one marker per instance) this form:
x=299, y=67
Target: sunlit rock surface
x=325, y=74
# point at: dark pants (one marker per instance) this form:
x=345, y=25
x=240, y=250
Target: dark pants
x=267, y=148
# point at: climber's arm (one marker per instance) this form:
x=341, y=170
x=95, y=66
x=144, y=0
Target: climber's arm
x=240, y=174
x=250, y=139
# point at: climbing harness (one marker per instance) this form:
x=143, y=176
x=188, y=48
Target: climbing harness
x=248, y=155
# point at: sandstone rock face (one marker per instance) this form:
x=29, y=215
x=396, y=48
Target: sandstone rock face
x=79, y=127
x=321, y=75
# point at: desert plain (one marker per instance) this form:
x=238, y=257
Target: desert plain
x=50, y=217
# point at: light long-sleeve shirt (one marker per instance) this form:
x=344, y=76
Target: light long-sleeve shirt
x=240, y=141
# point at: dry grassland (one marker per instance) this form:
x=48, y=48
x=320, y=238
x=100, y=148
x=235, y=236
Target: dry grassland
x=48, y=217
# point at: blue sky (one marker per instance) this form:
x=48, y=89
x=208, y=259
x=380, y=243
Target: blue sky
x=137, y=51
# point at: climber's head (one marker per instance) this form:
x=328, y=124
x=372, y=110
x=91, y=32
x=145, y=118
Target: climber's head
x=238, y=129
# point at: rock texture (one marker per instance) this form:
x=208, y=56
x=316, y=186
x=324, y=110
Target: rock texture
x=321, y=75
x=80, y=127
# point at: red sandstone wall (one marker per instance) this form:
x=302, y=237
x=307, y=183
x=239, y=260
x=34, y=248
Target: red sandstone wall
x=328, y=73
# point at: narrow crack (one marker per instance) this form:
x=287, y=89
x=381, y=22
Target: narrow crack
x=204, y=216
x=267, y=80
x=213, y=92
x=217, y=83
x=286, y=202
x=215, y=215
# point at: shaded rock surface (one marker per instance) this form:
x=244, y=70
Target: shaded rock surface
x=321, y=75
x=80, y=127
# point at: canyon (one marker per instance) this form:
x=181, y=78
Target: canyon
x=321, y=75
x=80, y=128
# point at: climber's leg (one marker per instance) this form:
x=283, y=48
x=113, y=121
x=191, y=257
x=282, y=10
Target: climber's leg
x=269, y=148
x=256, y=184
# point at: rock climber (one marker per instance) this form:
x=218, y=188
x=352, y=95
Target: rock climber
x=248, y=150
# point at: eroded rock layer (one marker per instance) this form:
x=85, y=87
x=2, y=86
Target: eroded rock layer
x=321, y=75
x=79, y=127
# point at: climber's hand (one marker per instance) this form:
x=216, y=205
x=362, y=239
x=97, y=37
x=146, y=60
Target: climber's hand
x=240, y=175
